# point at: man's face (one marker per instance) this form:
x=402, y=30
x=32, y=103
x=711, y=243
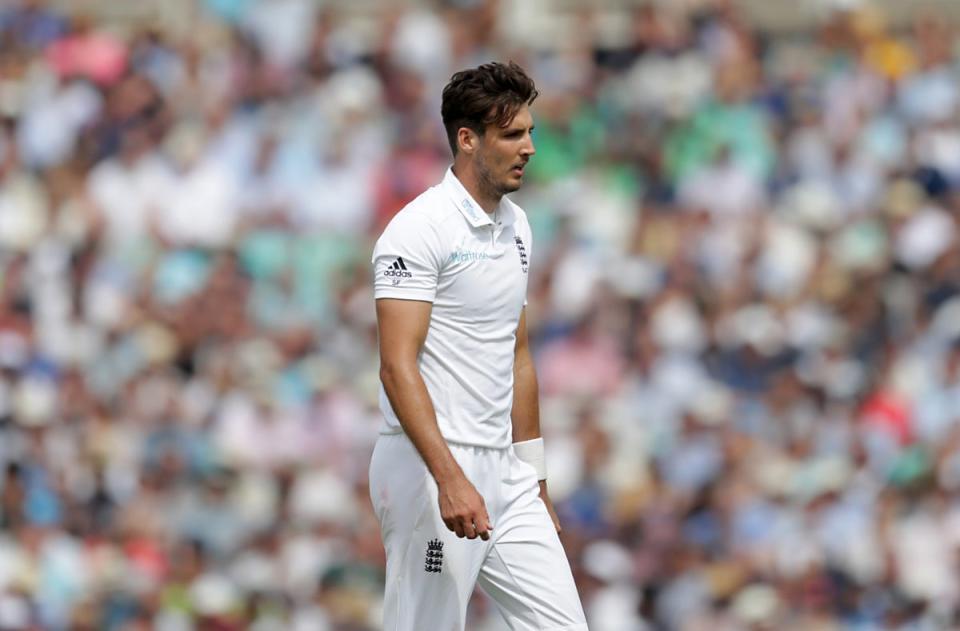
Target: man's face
x=503, y=153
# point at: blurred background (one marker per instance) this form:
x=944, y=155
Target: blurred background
x=743, y=300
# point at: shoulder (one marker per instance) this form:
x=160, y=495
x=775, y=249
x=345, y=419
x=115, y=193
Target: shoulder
x=426, y=226
x=429, y=212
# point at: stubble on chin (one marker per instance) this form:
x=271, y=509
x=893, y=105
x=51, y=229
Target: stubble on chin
x=510, y=187
x=492, y=186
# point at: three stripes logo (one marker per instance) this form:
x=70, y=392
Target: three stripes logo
x=398, y=269
x=434, y=558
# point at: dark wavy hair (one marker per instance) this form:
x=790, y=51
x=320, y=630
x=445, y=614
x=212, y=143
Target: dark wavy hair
x=488, y=94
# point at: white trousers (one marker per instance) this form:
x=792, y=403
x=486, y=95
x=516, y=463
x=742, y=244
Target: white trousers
x=431, y=572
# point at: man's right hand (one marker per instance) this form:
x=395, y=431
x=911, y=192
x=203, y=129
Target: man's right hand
x=462, y=508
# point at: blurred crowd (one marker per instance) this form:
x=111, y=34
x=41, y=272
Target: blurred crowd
x=743, y=299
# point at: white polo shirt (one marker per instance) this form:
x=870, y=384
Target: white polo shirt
x=443, y=248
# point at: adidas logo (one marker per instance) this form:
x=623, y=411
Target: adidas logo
x=398, y=269
x=434, y=559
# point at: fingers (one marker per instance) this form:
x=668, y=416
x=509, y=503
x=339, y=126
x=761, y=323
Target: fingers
x=555, y=520
x=472, y=531
x=461, y=528
x=464, y=512
x=470, y=528
x=551, y=510
x=483, y=526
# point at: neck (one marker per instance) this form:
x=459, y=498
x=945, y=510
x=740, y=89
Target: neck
x=468, y=176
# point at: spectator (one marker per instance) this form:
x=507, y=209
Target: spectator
x=744, y=308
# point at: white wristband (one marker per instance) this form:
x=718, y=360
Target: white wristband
x=531, y=451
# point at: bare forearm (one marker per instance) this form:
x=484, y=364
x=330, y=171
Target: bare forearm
x=411, y=403
x=526, y=399
x=402, y=326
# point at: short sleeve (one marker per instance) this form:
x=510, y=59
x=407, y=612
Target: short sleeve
x=407, y=258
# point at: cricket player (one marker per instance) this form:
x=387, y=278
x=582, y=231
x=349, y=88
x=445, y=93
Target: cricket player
x=457, y=478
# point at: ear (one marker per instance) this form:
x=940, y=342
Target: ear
x=467, y=140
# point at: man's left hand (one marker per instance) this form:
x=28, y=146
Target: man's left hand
x=546, y=500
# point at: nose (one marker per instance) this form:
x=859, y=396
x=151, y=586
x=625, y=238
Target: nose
x=528, y=149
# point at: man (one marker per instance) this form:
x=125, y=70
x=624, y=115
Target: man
x=457, y=477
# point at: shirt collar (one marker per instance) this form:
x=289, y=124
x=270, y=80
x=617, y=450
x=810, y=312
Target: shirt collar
x=470, y=208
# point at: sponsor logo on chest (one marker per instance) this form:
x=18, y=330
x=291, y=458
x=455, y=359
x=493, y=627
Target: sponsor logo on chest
x=465, y=256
